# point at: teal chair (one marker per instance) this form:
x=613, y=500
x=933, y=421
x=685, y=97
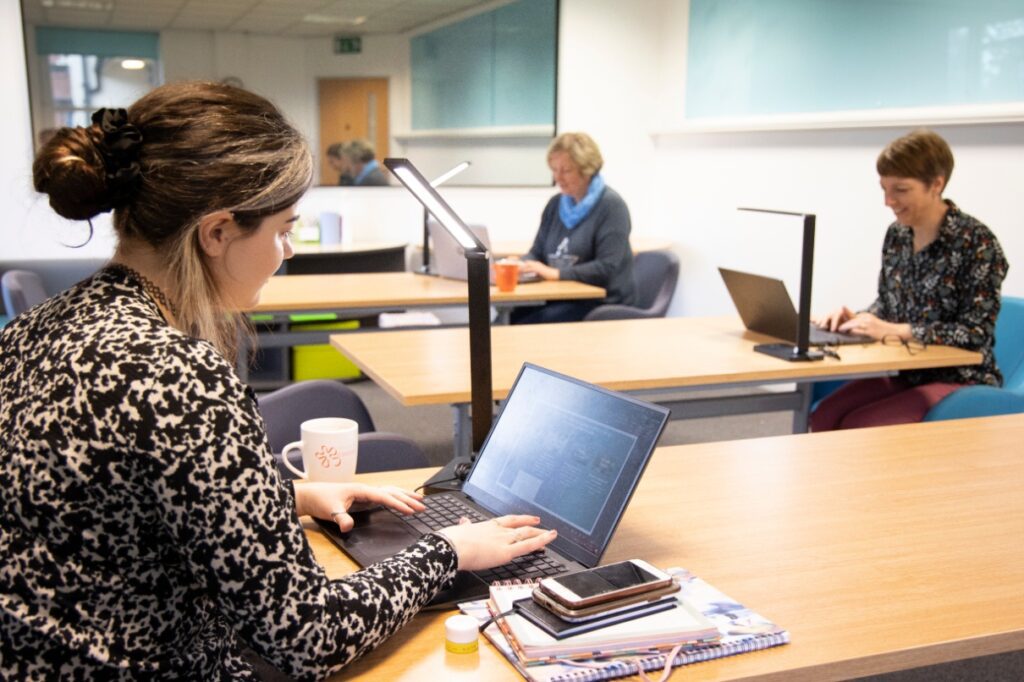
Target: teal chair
x=983, y=401
x=979, y=401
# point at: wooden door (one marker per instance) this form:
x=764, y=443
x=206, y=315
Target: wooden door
x=352, y=109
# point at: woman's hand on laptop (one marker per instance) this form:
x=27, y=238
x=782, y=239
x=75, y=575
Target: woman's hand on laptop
x=544, y=271
x=334, y=500
x=832, y=320
x=495, y=542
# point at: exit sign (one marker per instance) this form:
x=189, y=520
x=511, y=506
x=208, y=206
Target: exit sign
x=348, y=44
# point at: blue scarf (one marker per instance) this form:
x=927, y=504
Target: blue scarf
x=367, y=169
x=572, y=213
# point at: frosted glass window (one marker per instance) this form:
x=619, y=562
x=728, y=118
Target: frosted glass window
x=492, y=69
x=763, y=57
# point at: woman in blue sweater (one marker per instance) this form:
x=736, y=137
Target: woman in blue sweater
x=583, y=235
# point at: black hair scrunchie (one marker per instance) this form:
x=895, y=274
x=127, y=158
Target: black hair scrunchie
x=120, y=151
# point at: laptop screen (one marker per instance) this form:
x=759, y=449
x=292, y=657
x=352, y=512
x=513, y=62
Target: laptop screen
x=568, y=452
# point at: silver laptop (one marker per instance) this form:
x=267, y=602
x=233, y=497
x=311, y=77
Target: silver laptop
x=564, y=450
x=447, y=259
x=765, y=307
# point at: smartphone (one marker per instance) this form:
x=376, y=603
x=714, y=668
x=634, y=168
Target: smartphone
x=603, y=609
x=605, y=583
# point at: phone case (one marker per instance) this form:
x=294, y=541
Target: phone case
x=598, y=610
x=560, y=628
x=601, y=599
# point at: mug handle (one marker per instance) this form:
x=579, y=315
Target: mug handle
x=287, y=462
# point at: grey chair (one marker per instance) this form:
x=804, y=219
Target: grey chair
x=285, y=409
x=656, y=274
x=22, y=289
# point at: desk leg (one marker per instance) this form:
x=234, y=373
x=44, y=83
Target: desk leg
x=802, y=414
x=463, y=429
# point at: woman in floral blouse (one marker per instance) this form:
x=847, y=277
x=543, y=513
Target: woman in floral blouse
x=939, y=284
x=144, y=530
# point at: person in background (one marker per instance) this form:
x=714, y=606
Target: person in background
x=583, y=234
x=145, y=530
x=336, y=160
x=365, y=170
x=939, y=284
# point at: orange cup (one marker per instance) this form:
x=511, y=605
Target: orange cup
x=506, y=274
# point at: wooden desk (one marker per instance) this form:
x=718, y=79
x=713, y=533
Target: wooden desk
x=878, y=549
x=432, y=367
x=366, y=294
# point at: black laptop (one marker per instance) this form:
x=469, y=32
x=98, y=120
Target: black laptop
x=765, y=307
x=564, y=450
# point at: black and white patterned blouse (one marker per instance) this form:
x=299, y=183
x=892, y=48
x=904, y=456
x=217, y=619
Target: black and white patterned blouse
x=948, y=292
x=144, y=529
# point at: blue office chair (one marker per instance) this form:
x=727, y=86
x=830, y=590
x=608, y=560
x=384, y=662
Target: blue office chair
x=983, y=401
x=22, y=289
x=656, y=274
x=285, y=409
x=978, y=401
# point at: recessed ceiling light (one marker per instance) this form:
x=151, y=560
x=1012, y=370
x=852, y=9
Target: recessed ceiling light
x=132, y=64
x=92, y=5
x=331, y=19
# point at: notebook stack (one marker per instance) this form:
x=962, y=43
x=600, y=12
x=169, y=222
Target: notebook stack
x=705, y=625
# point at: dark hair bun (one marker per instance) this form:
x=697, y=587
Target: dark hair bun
x=69, y=168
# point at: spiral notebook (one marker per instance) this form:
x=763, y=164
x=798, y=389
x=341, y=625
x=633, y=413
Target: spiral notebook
x=741, y=631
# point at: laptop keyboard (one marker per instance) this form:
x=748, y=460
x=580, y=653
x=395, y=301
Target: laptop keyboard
x=823, y=337
x=445, y=510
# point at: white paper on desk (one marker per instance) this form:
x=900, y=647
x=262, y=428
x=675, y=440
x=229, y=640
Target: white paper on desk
x=409, y=319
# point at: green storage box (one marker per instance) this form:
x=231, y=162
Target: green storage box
x=321, y=361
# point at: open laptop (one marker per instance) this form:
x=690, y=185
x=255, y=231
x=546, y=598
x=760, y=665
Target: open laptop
x=765, y=307
x=447, y=256
x=564, y=450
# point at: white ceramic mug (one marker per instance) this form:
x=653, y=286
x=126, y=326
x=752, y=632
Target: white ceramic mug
x=330, y=446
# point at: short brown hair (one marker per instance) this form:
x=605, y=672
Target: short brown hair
x=922, y=155
x=582, y=149
x=204, y=147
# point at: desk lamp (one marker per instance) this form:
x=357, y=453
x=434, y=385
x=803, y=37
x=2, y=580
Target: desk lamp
x=479, y=283
x=437, y=182
x=800, y=352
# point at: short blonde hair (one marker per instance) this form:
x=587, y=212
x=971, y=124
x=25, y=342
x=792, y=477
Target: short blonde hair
x=582, y=150
x=359, y=151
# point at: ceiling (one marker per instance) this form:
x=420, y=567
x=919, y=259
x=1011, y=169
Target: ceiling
x=270, y=17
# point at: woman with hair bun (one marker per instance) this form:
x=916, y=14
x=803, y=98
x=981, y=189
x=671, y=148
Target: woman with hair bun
x=941, y=275
x=145, y=531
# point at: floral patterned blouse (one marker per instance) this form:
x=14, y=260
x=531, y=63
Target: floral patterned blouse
x=948, y=292
x=144, y=529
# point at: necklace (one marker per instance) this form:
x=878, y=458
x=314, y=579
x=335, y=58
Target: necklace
x=155, y=292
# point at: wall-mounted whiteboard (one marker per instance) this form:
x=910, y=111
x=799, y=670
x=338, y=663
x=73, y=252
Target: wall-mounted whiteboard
x=495, y=69
x=773, y=59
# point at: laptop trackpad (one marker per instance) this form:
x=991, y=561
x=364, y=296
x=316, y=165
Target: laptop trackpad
x=377, y=534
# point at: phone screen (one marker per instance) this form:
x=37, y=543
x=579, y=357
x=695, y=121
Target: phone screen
x=605, y=579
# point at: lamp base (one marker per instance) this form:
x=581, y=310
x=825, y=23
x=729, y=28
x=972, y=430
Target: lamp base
x=784, y=351
x=449, y=478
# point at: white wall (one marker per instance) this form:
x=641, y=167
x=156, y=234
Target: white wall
x=686, y=188
x=29, y=228
x=621, y=78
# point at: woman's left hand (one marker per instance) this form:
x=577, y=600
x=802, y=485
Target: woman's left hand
x=334, y=500
x=871, y=325
x=545, y=271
